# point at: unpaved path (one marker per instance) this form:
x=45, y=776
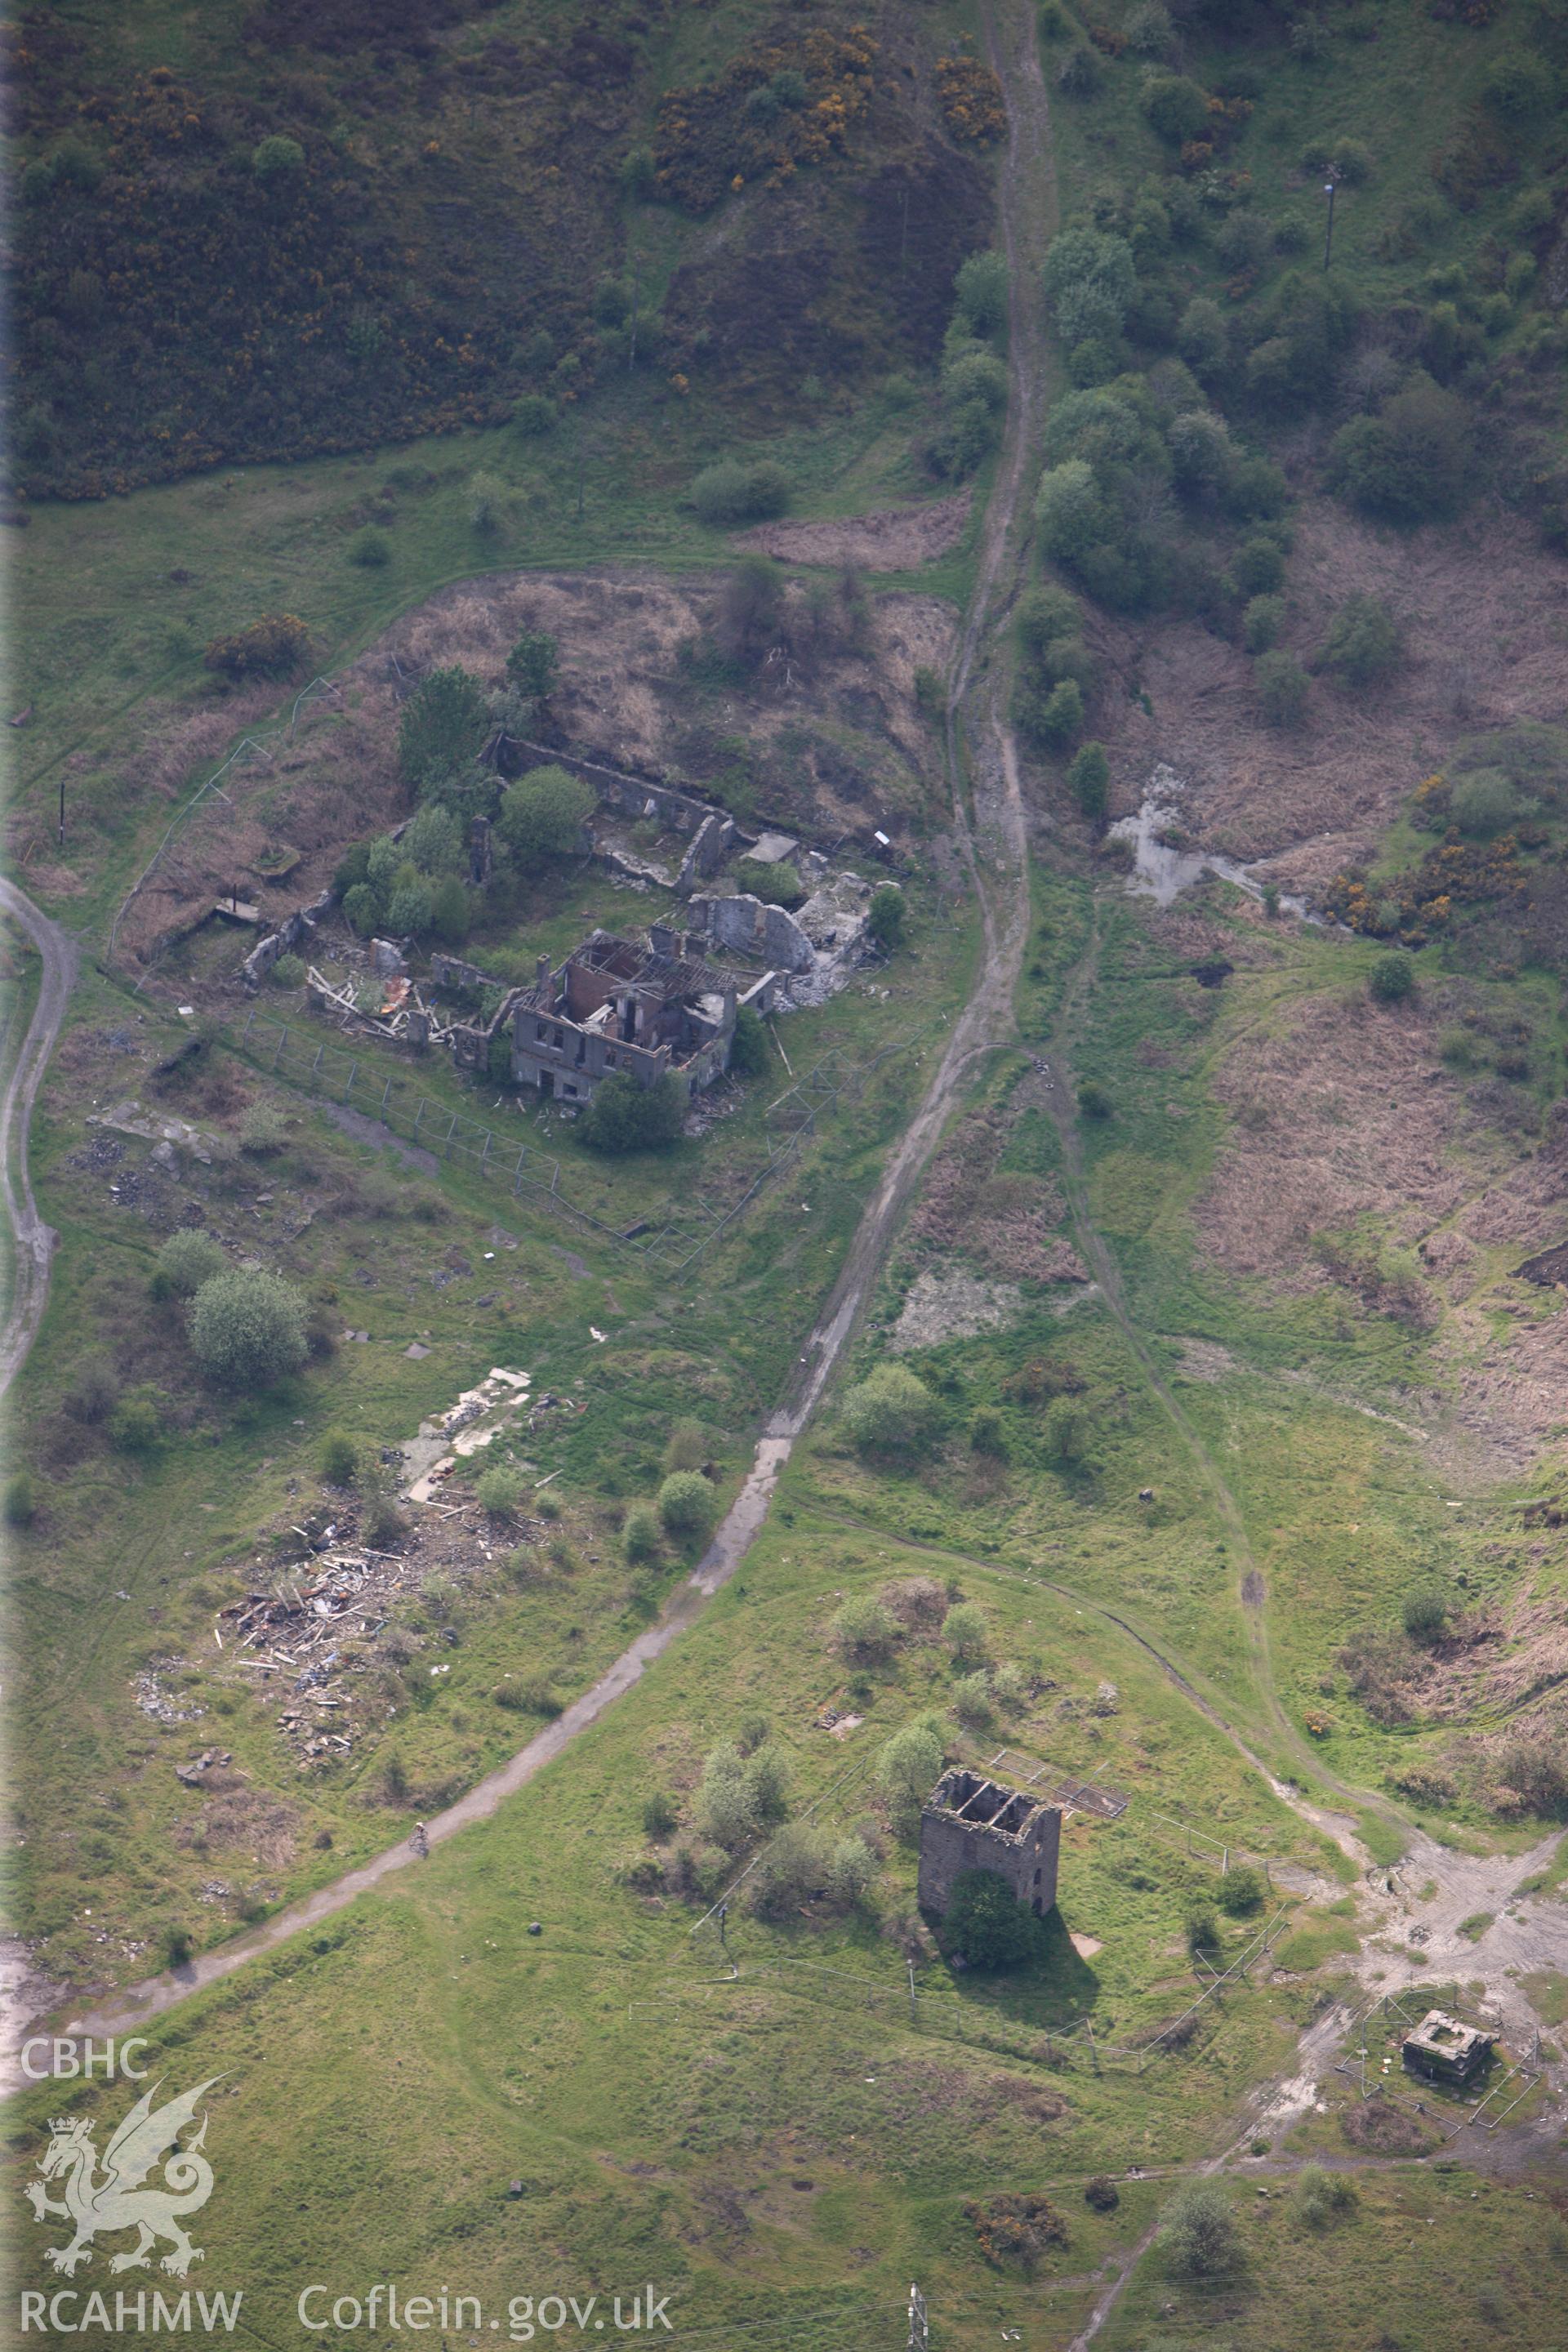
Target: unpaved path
x=994, y=844
x=33, y=1242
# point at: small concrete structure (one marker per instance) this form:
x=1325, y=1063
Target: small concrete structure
x=1445, y=2048
x=972, y=1823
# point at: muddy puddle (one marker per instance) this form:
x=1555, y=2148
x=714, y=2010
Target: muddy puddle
x=1162, y=871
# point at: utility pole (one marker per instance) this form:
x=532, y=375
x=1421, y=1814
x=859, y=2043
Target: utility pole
x=914, y=2011
x=62, y=808
x=723, y=1915
x=636, y=288
x=919, y=2334
x=1329, y=186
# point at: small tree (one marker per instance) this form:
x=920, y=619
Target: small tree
x=1363, y=643
x=1088, y=773
x=500, y=1490
x=909, y=1769
x=542, y=815
x=985, y=1921
x=1261, y=622
x=640, y=1535
x=966, y=1634
x=1393, y=978
x=247, y=1328
x=1281, y=684
x=444, y=726
x=535, y=415
x=1199, y=2235
x=278, y=159
x=767, y=1777
x=21, y=1503
x=1241, y=1890
x=626, y=1117
x=886, y=916
x=1066, y=1431
x=188, y=1259
x=1425, y=1613
x=688, y=1505
x=890, y=1411
x=851, y=1867
x=659, y=1817
x=988, y=1433
x=730, y=491
x=532, y=664
x=726, y=1809
x=862, y=1630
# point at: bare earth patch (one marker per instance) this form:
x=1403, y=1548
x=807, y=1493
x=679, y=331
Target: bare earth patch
x=952, y=1306
x=894, y=539
x=1485, y=618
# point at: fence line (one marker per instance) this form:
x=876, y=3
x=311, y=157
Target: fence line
x=675, y=1242
x=249, y=747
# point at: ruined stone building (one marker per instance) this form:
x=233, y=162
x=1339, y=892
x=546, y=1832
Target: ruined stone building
x=972, y=1824
x=1445, y=2049
x=650, y=1012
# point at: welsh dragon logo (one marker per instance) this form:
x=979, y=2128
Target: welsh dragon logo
x=116, y=2198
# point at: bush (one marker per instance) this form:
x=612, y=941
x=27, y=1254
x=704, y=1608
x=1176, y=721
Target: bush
x=659, y=1817
x=262, y=1129
x=1070, y=511
x=1520, y=85
x=278, y=159
x=732, y=492
x=1093, y=1101
x=988, y=1433
x=1046, y=615
x=987, y=1924
x=1363, y=642
x=1262, y=619
x=1088, y=774
x=1065, y=1430
x=270, y=648
x=136, y=1422
x=21, y=1503
x=726, y=1809
x=370, y=549
x=543, y=816
x=766, y=1777
x=289, y=971
x=189, y=1258
x=966, y=1634
x=1281, y=684
x=1483, y=804
x=776, y=884
x=1392, y=978
x=1059, y=717
x=1425, y=1613
x=975, y=376
x=1323, y=2197
x=361, y=909
x=890, y=1411
x=972, y=1700
x=1080, y=73
x=338, y=1458
x=688, y=1505
x=1199, y=2235
x=500, y=1489
x=626, y=1117
x=1102, y=2193
x=535, y=415
x=1175, y=107
x=791, y=1869
x=885, y=916
x=851, y=1867
x=1258, y=568
x=1203, y=337
x=640, y=1537
x=1241, y=1889
x=247, y=1328
x=862, y=1630
x=749, y=1045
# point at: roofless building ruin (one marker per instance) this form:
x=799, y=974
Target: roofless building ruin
x=972, y=1824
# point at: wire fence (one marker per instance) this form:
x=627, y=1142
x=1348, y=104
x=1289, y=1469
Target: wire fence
x=249, y=749
x=681, y=1229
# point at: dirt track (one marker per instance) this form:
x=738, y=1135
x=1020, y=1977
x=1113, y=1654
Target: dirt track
x=995, y=848
x=33, y=1242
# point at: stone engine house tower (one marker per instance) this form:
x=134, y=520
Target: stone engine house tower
x=972, y=1824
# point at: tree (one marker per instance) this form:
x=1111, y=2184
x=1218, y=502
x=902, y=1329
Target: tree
x=1258, y=567
x=966, y=1634
x=726, y=1812
x=188, y=1259
x=338, y=1458
x=885, y=916
x=543, y=816
x=976, y=375
x=851, y=1867
x=444, y=726
x=749, y=1045
x=1088, y=257
x=793, y=1867
x=862, y=1629
x=21, y=1506
x=535, y=415
x=431, y=841
x=247, y=1328
x=985, y=1921
x=1412, y=461
x=908, y=1768
x=1046, y=615
x=988, y=1433
x=890, y=1411
x=1067, y=1430
x=1203, y=337
x=1177, y=109
x=1068, y=511
x=533, y=664
x=1198, y=2233
x=1241, y=1889
x=688, y=1505
x=627, y=1117
x=774, y=881
x=1393, y=978
x=1425, y=1613
x=1262, y=619
x=749, y=603
x=980, y=291
x=766, y=1776
x=500, y=1489
x=1281, y=684
x=1363, y=642
x=488, y=502
x=1088, y=773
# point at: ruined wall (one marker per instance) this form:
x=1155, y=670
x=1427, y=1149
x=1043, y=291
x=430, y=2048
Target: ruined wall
x=746, y=926
x=1027, y=1861
x=285, y=938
